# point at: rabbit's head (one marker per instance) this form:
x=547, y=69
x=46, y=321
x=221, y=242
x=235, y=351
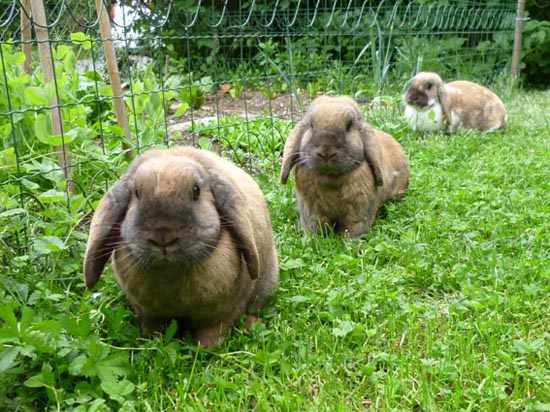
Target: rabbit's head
x=332, y=139
x=172, y=216
x=167, y=210
x=425, y=90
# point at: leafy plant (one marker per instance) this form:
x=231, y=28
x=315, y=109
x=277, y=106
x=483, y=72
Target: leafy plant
x=258, y=140
x=147, y=108
x=536, y=53
x=194, y=94
x=236, y=91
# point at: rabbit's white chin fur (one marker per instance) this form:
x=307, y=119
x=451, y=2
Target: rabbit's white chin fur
x=425, y=119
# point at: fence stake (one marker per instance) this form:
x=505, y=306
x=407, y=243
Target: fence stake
x=42, y=36
x=114, y=75
x=26, y=35
x=516, y=54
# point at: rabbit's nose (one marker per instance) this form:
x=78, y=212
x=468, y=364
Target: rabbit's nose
x=163, y=237
x=326, y=156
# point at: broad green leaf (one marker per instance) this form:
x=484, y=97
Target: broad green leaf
x=77, y=364
x=26, y=319
x=182, y=109
x=48, y=244
x=30, y=185
x=14, y=59
x=12, y=212
x=77, y=326
x=60, y=52
x=115, y=129
x=344, y=328
x=52, y=196
x=104, y=365
x=44, y=379
x=56, y=139
x=19, y=80
x=205, y=143
x=291, y=264
x=97, y=405
x=43, y=126
x=112, y=366
x=118, y=390
x=82, y=39
x=93, y=75
x=525, y=348
x=69, y=61
x=299, y=299
x=8, y=358
x=37, y=96
x=8, y=316
x=36, y=381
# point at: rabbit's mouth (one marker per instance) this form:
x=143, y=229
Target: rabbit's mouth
x=173, y=256
x=421, y=105
x=327, y=168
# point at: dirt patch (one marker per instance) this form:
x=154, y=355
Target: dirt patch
x=251, y=105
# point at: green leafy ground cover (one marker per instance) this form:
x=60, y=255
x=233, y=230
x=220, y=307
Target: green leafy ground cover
x=443, y=306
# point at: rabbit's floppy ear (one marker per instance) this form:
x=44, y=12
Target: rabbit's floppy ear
x=105, y=230
x=371, y=152
x=444, y=101
x=291, y=153
x=231, y=207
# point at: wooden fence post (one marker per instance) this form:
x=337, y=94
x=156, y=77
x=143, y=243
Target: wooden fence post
x=26, y=35
x=46, y=61
x=516, y=54
x=114, y=75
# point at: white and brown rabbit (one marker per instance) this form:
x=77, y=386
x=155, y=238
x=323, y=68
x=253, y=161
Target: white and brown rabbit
x=190, y=238
x=345, y=169
x=432, y=105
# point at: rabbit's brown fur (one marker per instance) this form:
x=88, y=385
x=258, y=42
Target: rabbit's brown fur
x=345, y=169
x=457, y=105
x=191, y=240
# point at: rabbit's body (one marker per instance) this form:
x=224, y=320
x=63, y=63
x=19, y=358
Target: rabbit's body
x=345, y=169
x=432, y=105
x=191, y=241
x=349, y=202
x=212, y=291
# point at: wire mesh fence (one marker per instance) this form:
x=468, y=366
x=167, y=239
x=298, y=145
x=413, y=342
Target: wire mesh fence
x=227, y=75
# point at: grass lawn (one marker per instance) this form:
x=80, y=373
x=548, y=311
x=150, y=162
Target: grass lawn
x=443, y=306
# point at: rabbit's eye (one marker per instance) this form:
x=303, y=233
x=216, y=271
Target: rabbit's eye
x=196, y=192
x=136, y=192
x=429, y=85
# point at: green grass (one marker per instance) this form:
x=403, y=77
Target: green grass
x=443, y=306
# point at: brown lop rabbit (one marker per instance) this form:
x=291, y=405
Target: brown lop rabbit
x=190, y=238
x=432, y=105
x=345, y=169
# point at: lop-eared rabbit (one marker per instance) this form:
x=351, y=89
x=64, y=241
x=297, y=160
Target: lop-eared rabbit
x=345, y=169
x=432, y=105
x=190, y=238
